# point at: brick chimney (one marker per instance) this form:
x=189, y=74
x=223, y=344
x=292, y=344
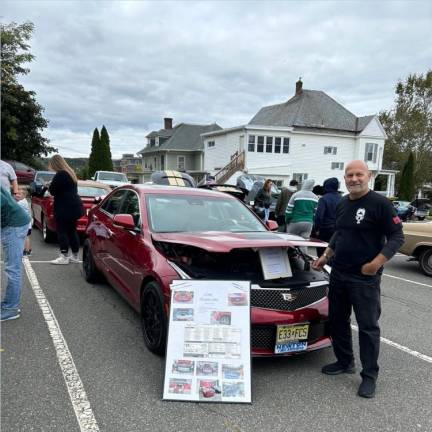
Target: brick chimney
x=168, y=123
x=299, y=87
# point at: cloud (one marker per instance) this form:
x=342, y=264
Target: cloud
x=129, y=64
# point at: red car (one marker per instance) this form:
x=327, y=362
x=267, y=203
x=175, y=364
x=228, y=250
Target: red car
x=23, y=172
x=142, y=237
x=42, y=205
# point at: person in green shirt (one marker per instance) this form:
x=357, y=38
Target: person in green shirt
x=14, y=226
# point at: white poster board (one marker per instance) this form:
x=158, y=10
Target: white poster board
x=208, y=356
x=275, y=263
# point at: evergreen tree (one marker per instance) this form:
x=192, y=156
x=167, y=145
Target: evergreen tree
x=106, y=150
x=95, y=159
x=406, y=185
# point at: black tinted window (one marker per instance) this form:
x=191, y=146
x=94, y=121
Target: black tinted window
x=131, y=206
x=112, y=205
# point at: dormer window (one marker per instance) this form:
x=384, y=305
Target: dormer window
x=152, y=142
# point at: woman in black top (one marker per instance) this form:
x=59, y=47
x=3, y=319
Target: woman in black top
x=67, y=209
x=263, y=200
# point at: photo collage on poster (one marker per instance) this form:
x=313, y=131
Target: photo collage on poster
x=208, y=350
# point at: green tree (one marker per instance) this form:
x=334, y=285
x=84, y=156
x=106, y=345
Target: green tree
x=106, y=150
x=409, y=127
x=95, y=159
x=21, y=115
x=406, y=183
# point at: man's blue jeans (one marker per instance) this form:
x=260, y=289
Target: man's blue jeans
x=12, y=240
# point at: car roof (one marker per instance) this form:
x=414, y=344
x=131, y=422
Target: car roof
x=177, y=190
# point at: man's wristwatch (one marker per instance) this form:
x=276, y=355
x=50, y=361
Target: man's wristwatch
x=326, y=256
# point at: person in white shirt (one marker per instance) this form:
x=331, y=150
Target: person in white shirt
x=8, y=177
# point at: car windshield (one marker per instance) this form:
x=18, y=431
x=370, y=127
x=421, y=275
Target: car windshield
x=192, y=213
x=112, y=176
x=44, y=177
x=90, y=191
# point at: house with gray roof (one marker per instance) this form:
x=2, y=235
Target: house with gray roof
x=178, y=148
x=309, y=136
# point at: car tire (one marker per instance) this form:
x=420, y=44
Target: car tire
x=153, y=318
x=47, y=234
x=421, y=218
x=425, y=261
x=91, y=272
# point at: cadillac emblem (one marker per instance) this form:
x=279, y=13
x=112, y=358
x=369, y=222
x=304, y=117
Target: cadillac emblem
x=288, y=297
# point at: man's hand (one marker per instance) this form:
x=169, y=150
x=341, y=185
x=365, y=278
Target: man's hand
x=319, y=263
x=371, y=268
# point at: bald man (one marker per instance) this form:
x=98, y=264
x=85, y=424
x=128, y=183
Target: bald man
x=368, y=233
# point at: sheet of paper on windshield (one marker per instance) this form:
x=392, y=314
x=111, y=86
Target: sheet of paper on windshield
x=275, y=263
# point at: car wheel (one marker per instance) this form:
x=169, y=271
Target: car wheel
x=47, y=234
x=425, y=261
x=421, y=218
x=153, y=318
x=91, y=272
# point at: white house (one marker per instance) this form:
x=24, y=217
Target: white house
x=309, y=136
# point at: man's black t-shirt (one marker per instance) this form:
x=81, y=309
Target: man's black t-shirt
x=364, y=228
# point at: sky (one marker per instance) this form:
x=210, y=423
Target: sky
x=129, y=64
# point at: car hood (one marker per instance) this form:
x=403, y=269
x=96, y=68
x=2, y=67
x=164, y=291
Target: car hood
x=215, y=241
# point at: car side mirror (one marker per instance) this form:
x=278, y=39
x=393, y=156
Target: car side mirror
x=125, y=221
x=272, y=225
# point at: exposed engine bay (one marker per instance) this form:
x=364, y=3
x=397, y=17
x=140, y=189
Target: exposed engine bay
x=238, y=264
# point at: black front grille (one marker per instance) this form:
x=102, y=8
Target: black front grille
x=264, y=337
x=294, y=298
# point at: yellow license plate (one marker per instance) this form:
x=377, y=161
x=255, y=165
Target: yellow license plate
x=289, y=333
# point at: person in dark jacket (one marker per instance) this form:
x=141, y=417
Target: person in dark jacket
x=67, y=209
x=263, y=200
x=282, y=203
x=325, y=215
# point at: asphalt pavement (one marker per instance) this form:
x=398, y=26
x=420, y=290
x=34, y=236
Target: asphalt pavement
x=122, y=381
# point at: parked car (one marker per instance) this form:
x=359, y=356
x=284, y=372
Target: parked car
x=418, y=244
x=142, y=237
x=42, y=206
x=404, y=209
x=422, y=208
x=39, y=180
x=172, y=178
x=111, y=178
x=183, y=366
x=23, y=172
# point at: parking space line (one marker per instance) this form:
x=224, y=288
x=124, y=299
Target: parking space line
x=402, y=348
x=407, y=280
x=84, y=414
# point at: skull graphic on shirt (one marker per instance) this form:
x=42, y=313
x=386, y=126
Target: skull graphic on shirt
x=360, y=214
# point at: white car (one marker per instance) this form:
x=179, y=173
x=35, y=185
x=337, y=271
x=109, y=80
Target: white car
x=111, y=178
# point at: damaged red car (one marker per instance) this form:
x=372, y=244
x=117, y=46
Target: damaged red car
x=142, y=237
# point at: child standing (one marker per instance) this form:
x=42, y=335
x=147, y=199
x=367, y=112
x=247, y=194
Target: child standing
x=21, y=198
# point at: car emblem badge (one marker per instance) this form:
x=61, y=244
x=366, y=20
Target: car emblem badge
x=288, y=297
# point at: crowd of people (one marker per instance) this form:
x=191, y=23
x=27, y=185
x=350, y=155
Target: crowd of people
x=362, y=229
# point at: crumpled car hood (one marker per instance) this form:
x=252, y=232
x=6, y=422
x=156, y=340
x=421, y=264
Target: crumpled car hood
x=215, y=241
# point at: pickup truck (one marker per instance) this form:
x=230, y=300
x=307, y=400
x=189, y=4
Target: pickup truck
x=111, y=178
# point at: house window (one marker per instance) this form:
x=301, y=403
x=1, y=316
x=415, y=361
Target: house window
x=210, y=144
x=278, y=183
x=269, y=144
x=285, y=148
x=181, y=163
x=152, y=142
x=330, y=150
x=155, y=164
x=337, y=165
x=251, y=143
x=260, y=146
x=300, y=177
x=278, y=142
x=371, y=152
x=145, y=163
x=162, y=162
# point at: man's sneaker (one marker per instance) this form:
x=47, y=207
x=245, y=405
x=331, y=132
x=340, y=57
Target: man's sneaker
x=62, y=259
x=10, y=314
x=336, y=369
x=74, y=258
x=367, y=388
